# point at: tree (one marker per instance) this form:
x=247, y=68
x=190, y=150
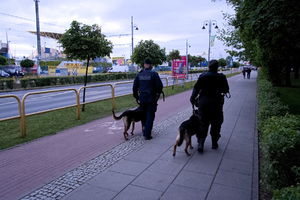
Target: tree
x=236, y=65
x=2, y=60
x=85, y=42
x=27, y=63
x=222, y=62
x=148, y=49
x=195, y=60
x=267, y=33
x=174, y=54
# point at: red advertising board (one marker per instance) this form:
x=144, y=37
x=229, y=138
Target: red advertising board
x=179, y=67
x=118, y=60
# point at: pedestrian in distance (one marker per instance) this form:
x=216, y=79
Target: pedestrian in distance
x=244, y=72
x=147, y=87
x=211, y=87
x=248, y=72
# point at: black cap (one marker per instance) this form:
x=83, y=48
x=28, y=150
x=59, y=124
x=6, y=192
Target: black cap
x=213, y=65
x=148, y=61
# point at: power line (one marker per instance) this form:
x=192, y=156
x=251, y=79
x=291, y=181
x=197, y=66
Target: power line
x=23, y=18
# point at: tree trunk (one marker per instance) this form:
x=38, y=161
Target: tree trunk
x=296, y=72
x=85, y=80
x=288, y=76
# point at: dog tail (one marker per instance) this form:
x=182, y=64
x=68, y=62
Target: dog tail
x=115, y=117
x=181, y=138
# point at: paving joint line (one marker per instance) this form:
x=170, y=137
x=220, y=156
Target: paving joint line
x=75, y=178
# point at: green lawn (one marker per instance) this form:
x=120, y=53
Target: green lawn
x=291, y=96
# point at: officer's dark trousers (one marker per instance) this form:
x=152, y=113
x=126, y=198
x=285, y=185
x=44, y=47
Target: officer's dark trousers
x=148, y=116
x=210, y=112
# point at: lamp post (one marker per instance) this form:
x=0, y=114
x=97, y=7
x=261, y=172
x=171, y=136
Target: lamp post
x=135, y=27
x=187, y=56
x=205, y=24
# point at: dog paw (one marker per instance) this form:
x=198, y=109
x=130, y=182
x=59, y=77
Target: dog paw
x=187, y=153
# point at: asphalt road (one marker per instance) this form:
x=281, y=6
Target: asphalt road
x=40, y=102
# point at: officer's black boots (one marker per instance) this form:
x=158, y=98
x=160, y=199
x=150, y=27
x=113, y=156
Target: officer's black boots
x=214, y=141
x=214, y=145
x=201, y=144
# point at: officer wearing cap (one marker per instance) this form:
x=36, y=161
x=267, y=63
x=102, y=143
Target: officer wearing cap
x=147, y=87
x=211, y=88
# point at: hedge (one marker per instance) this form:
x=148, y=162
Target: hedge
x=63, y=80
x=280, y=144
x=279, y=134
x=6, y=84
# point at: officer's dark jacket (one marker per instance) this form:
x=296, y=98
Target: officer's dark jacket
x=147, y=86
x=211, y=84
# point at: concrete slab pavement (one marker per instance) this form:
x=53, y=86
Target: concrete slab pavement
x=230, y=172
x=139, y=169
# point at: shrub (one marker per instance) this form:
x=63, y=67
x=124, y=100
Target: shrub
x=10, y=84
x=280, y=144
x=24, y=82
x=1, y=85
x=45, y=81
x=269, y=103
x=31, y=82
x=292, y=192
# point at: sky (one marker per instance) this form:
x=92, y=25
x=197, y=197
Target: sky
x=169, y=23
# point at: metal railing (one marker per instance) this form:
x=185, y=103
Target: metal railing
x=19, y=108
x=23, y=115
x=21, y=103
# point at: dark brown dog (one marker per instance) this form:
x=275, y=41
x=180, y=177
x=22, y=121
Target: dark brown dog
x=186, y=130
x=129, y=117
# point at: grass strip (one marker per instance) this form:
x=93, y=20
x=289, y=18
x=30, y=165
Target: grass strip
x=50, y=123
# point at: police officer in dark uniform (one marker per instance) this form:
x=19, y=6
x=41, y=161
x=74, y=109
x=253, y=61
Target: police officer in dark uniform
x=147, y=88
x=211, y=88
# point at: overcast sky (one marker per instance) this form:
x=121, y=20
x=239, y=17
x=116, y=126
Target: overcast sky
x=169, y=23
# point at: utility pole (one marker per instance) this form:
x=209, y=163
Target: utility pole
x=8, y=57
x=38, y=36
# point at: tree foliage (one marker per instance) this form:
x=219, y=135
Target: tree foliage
x=222, y=62
x=148, y=49
x=266, y=33
x=85, y=42
x=173, y=55
x=27, y=63
x=195, y=60
x=2, y=60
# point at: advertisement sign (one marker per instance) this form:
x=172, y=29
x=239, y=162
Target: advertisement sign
x=128, y=62
x=118, y=60
x=179, y=67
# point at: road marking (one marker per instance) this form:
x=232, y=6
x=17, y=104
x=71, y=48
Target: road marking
x=110, y=126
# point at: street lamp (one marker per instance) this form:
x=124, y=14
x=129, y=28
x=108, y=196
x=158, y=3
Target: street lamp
x=209, y=23
x=135, y=27
x=187, y=56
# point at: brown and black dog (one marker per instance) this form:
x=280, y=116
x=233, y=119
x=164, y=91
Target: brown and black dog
x=129, y=117
x=186, y=130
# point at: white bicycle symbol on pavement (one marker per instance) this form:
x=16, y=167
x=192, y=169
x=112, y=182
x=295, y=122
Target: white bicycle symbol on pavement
x=110, y=126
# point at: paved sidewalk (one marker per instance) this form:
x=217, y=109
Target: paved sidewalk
x=93, y=161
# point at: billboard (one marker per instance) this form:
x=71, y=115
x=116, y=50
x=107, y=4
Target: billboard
x=118, y=60
x=179, y=67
